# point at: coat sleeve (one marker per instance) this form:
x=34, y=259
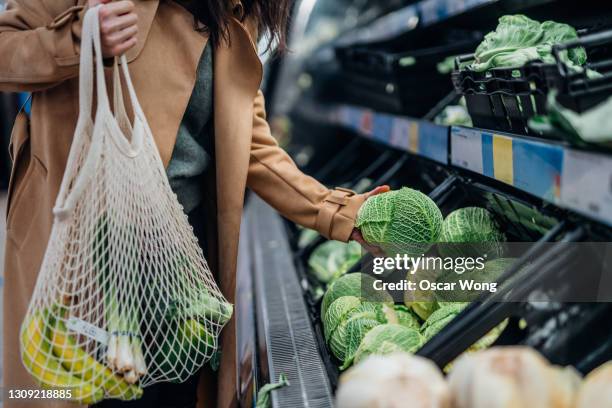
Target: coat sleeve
x=39, y=43
x=300, y=198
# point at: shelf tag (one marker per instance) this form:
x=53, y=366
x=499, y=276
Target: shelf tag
x=366, y=123
x=399, y=133
x=586, y=184
x=502, y=159
x=413, y=138
x=466, y=149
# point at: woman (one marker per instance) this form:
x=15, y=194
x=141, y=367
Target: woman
x=197, y=74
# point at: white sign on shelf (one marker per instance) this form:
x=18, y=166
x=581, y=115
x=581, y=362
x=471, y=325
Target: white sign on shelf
x=466, y=149
x=586, y=184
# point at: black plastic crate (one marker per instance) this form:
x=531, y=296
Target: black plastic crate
x=506, y=99
x=399, y=81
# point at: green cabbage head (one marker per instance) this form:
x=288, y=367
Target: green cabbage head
x=388, y=339
x=333, y=259
x=346, y=323
x=519, y=39
x=476, y=231
x=354, y=284
x=407, y=317
x=400, y=221
x=440, y=318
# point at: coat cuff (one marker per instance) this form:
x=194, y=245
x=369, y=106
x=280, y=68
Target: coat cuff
x=336, y=218
x=63, y=36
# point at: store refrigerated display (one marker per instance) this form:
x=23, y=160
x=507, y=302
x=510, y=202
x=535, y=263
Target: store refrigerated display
x=541, y=191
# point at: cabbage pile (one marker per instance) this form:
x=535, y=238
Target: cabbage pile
x=358, y=321
x=403, y=221
x=519, y=39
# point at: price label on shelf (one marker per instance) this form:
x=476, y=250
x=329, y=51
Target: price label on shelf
x=399, y=133
x=466, y=149
x=366, y=122
x=586, y=184
x=413, y=138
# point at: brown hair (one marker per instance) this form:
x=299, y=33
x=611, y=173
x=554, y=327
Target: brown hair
x=271, y=15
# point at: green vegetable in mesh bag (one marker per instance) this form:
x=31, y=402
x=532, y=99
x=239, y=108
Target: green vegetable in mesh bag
x=519, y=39
x=348, y=321
x=476, y=231
x=333, y=259
x=440, y=318
x=388, y=339
x=403, y=221
x=406, y=317
x=354, y=284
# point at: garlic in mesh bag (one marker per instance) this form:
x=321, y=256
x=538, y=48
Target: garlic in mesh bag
x=124, y=297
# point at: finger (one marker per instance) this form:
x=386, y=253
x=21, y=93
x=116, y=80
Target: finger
x=116, y=8
x=381, y=189
x=120, y=49
x=94, y=3
x=113, y=24
x=121, y=36
x=378, y=190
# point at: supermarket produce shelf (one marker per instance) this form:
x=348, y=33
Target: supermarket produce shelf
x=547, y=169
x=419, y=137
x=285, y=333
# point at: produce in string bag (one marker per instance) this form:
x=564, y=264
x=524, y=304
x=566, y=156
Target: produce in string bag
x=519, y=376
x=388, y=339
x=393, y=380
x=471, y=232
x=333, y=259
x=403, y=221
x=348, y=320
x=123, y=280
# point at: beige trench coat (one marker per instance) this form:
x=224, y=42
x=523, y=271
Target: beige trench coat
x=39, y=45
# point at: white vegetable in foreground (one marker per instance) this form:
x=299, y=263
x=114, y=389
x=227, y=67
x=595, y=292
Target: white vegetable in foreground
x=596, y=391
x=506, y=377
x=394, y=380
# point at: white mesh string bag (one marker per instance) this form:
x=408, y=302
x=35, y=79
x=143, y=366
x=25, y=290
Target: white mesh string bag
x=124, y=297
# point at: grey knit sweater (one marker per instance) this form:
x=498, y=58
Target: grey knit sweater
x=194, y=148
